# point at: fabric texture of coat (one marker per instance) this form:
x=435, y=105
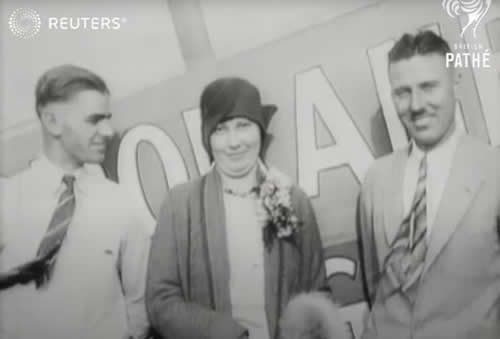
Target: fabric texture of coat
x=459, y=291
x=188, y=292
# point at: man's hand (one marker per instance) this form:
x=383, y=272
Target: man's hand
x=28, y=272
x=31, y=271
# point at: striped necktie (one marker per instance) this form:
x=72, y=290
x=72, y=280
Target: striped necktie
x=404, y=264
x=40, y=268
x=56, y=232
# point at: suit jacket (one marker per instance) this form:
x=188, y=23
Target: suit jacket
x=188, y=295
x=459, y=291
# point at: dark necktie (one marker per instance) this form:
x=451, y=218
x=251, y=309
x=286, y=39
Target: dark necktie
x=405, y=261
x=41, y=268
x=56, y=232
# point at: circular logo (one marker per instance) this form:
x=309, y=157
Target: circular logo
x=25, y=23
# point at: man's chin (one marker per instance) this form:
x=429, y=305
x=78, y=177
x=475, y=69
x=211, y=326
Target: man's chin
x=425, y=143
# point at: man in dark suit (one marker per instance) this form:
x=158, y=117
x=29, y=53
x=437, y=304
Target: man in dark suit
x=428, y=213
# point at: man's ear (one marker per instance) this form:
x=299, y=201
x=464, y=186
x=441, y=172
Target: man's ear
x=51, y=122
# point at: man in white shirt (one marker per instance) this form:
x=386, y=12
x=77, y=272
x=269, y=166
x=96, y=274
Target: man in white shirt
x=428, y=214
x=73, y=254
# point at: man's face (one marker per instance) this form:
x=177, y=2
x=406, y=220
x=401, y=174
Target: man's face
x=83, y=126
x=424, y=97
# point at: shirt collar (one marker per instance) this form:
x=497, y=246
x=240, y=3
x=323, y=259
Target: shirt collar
x=52, y=174
x=443, y=149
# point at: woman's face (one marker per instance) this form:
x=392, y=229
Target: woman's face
x=235, y=146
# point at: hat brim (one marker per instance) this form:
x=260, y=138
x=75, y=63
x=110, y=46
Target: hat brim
x=268, y=113
x=269, y=109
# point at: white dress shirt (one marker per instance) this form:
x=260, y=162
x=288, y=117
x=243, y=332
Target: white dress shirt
x=246, y=264
x=439, y=161
x=97, y=287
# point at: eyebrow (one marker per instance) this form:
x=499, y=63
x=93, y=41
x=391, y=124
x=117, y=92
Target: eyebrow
x=429, y=82
x=400, y=89
x=99, y=116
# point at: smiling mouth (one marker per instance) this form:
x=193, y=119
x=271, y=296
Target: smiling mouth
x=236, y=155
x=420, y=120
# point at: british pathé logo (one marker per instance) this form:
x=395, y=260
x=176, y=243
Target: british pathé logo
x=475, y=10
x=471, y=54
x=25, y=23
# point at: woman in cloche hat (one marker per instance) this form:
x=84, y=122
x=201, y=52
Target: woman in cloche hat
x=232, y=247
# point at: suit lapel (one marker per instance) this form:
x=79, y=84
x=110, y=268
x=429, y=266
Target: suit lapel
x=462, y=185
x=393, y=196
x=213, y=206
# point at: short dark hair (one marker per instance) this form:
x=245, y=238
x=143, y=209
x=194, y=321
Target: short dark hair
x=62, y=82
x=423, y=43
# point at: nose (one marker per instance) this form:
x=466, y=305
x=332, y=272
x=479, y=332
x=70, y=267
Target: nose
x=233, y=139
x=105, y=129
x=416, y=103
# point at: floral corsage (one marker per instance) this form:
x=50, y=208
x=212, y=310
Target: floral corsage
x=279, y=219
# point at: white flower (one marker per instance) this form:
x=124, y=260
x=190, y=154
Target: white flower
x=284, y=232
x=262, y=215
x=267, y=188
x=275, y=205
x=268, y=202
x=283, y=197
x=281, y=179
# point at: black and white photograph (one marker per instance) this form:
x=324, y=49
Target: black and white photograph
x=250, y=169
